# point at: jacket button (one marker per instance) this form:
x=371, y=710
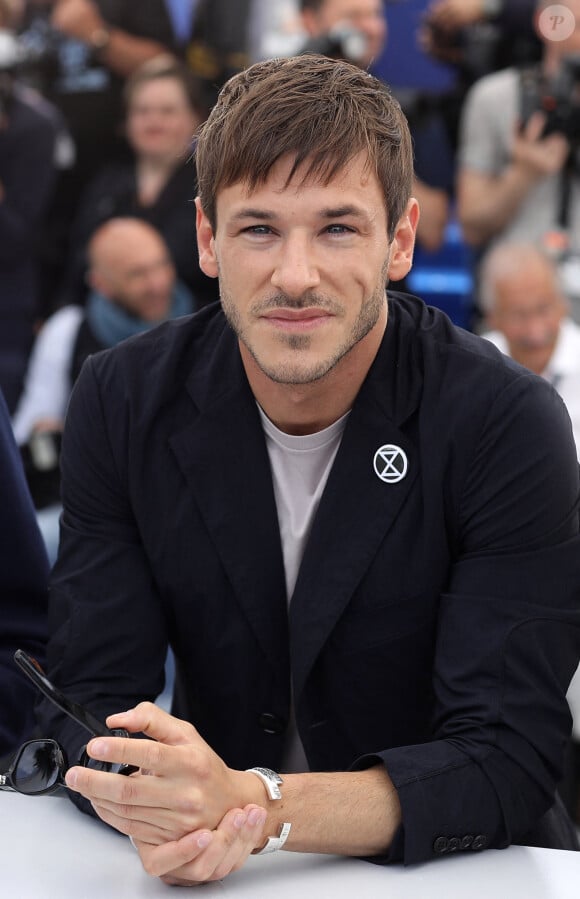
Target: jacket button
x=479, y=842
x=271, y=724
x=441, y=845
x=454, y=844
x=466, y=841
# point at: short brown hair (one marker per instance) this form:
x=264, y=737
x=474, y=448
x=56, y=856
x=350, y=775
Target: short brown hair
x=321, y=111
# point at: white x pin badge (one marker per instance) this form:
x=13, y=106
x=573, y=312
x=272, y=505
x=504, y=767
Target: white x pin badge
x=390, y=463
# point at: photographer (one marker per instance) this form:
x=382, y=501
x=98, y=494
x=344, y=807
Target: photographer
x=29, y=127
x=518, y=176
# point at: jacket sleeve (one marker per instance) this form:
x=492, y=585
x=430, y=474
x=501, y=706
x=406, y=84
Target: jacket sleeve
x=101, y=576
x=508, y=640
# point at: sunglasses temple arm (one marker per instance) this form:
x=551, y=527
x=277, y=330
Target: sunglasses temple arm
x=79, y=714
x=74, y=710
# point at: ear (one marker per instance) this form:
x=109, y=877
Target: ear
x=205, y=242
x=404, y=242
x=97, y=282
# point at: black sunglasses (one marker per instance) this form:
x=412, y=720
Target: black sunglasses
x=39, y=766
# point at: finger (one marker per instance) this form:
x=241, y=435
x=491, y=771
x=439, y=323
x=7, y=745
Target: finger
x=139, y=797
x=248, y=838
x=146, y=754
x=174, y=856
x=535, y=125
x=239, y=832
x=158, y=724
x=137, y=830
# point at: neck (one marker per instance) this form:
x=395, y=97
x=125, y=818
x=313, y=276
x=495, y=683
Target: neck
x=307, y=408
x=156, y=165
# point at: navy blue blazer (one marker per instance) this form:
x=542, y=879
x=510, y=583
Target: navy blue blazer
x=435, y=621
x=23, y=591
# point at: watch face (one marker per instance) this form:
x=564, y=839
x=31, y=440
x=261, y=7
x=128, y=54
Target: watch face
x=267, y=772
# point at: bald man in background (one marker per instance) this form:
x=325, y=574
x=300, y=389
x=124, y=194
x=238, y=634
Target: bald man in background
x=527, y=312
x=133, y=288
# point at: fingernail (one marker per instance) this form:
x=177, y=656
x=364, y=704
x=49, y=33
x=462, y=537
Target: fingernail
x=256, y=816
x=204, y=840
x=239, y=820
x=97, y=748
x=71, y=778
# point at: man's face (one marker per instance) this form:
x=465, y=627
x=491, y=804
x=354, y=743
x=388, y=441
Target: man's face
x=303, y=268
x=136, y=272
x=529, y=308
x=366, y=16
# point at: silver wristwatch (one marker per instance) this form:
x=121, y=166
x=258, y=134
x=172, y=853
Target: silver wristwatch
x=274, y=843
x=271, y=781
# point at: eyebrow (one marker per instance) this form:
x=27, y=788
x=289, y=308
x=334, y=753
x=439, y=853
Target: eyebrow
x=330, y=212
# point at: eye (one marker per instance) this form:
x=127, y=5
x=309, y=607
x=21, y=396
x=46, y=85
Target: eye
x=338, y=229
x=258, y=229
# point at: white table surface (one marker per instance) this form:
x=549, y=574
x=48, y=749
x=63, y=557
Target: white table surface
x=49, y=850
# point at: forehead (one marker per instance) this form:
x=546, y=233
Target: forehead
x=356, y=182
x=133, y=249
x=162, y=89
x=532, y=282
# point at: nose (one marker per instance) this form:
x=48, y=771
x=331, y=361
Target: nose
x=295, y=270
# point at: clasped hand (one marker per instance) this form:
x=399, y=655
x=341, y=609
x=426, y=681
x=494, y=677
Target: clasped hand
x=190, y=817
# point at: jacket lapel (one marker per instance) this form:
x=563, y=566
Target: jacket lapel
x=357, y=508
x=224, y=459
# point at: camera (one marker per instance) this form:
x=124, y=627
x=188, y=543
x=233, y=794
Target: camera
x=341, y=42
x=558, y=98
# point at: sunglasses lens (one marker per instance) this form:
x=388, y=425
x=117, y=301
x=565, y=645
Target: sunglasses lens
x=38, y=767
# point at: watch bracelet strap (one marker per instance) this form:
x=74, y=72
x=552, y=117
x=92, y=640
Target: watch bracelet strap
x=271, y=780
x=274, y=843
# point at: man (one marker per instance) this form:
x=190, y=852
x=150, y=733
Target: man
x=133, y=287
x=517, y=169
x=327, y=504
x=527, y=312
x=433, y=162
x=23, y=591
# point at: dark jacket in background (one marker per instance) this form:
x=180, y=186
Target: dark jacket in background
x=27, y=175
x=23, y=591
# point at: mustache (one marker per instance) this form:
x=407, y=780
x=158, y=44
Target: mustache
x=305, y=301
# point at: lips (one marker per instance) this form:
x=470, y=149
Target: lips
x=297, y=319
x=297, y=314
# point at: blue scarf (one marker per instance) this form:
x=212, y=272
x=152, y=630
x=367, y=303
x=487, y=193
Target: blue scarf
x=110, y=323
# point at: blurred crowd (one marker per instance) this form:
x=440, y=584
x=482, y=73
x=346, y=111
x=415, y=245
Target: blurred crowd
x=100, y=101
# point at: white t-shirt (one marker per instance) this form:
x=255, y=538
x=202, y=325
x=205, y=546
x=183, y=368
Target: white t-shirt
x=300, y=469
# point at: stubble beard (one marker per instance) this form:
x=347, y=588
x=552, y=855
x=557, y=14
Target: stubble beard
x=300, y=373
